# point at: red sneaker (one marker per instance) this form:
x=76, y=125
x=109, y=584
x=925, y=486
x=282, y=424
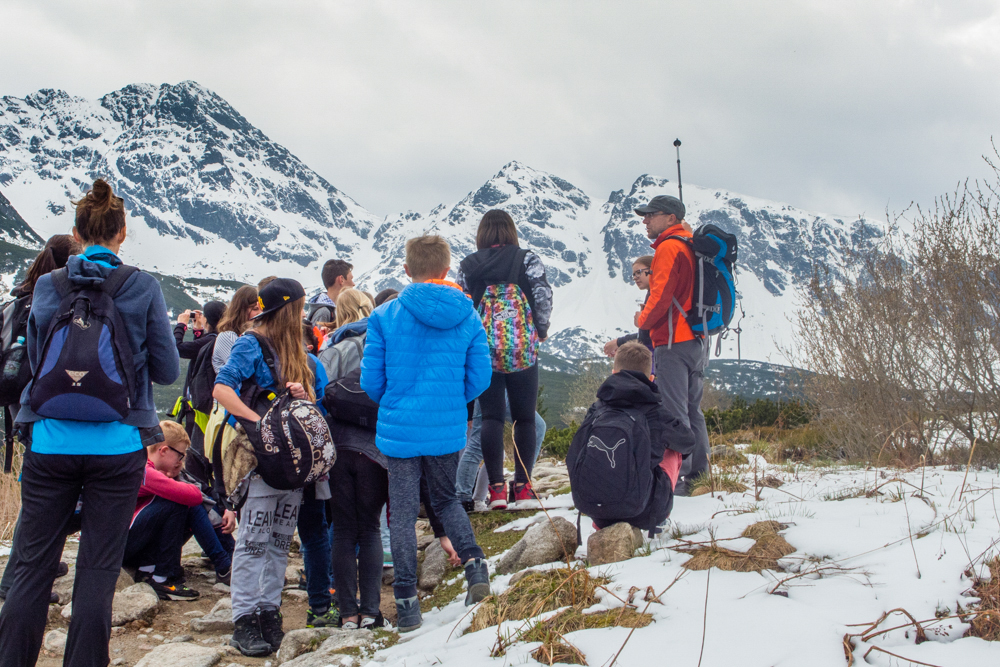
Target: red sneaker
x=524, y=497
x=498, y=496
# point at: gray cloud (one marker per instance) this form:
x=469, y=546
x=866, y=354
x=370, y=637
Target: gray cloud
x=838, y=106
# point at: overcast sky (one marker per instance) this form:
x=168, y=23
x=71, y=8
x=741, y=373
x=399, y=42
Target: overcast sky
x=838, y=106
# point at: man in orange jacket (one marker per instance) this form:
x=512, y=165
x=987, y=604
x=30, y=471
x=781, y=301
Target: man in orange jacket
x=679, y=355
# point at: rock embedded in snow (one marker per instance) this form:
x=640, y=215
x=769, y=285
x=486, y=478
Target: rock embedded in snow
x=297, y=642
x=180, y=655
x=544, y=542
x=55, y=641
x=434, y=567
x=613, y=544
x=329, y=653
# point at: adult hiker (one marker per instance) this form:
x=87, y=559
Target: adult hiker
x=679, y=355
x=337, y=275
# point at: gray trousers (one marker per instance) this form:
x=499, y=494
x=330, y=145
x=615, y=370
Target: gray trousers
x=267, y=523
x=680, y=375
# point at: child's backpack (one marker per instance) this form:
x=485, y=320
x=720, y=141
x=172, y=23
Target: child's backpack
x=346, y=401
x=203, y=379
x=510, y=329
x=86, y=369
x=16, y=371
x=292, y=440
x=714, y=297
x=609, y=463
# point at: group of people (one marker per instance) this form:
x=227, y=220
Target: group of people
x=444, y=365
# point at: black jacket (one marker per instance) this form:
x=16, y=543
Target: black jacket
x=493, y=265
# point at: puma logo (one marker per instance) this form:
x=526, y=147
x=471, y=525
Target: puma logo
x=597, y=443
x=80, y=323
x=76, y=376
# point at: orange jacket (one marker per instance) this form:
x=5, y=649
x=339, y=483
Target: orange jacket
x=671, y=277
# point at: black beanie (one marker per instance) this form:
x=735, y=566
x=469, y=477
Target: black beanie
x=213, y=312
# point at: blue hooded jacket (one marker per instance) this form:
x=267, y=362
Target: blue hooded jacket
x=425, y=359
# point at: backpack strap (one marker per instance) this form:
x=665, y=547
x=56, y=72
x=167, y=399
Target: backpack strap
x=361, y=345
x=272, y=364
x=114, y=282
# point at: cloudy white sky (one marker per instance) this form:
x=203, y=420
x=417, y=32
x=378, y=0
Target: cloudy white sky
x=839, y=106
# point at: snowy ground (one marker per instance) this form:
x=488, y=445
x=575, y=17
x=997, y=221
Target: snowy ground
x=911, y=546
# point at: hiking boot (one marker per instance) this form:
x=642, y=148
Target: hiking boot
x=271, y=627
x=478, y=576
x=63, y=570
x=247, y=637
x=323, y=619
x=224, y=577
x=498, y=496
x=174, y=590
x=408, y=616
x=524, y=497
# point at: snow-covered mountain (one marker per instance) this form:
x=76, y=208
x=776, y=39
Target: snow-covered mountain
x=211, y=198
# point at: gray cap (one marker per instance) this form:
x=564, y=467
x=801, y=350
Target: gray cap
x=663, y=204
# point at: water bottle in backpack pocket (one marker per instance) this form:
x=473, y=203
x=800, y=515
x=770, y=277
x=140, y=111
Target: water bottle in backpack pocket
x=510, y=329
x=86, y=369
x=609, y=463
x=15, y=371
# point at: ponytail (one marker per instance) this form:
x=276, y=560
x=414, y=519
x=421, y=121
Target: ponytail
x=54, y=256
x=100, y=215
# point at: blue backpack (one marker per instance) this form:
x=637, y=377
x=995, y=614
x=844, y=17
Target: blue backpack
x=86, y=371
x=714, y=297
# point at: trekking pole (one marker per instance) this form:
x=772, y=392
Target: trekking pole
x=680, y=192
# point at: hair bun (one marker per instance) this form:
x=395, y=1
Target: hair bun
x=101, y=192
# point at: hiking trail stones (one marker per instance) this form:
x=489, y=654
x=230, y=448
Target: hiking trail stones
x=544, y=542
x=55, y=641
x=434, y=567
x=137, y=602
x=220, y=619
x=331, y=652
x=181, y=655
x=297, y=642
x=613, y=544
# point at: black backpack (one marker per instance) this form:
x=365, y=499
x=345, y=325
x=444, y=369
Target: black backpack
x=609, y=463
x=714, y=298
x=202, y=382
x=13, y=354
x=346, y=401
x=86, y=370
x=292, y=440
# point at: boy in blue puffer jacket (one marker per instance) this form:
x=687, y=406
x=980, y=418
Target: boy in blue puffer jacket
x=425, y=359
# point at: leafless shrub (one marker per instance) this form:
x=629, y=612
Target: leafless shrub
x=583, y=390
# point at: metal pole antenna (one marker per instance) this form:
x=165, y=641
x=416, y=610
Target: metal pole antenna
x=680, y=192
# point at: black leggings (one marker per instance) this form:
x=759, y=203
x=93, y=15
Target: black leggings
x=522, y=392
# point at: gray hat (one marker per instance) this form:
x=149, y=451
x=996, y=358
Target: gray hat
x=663, y=204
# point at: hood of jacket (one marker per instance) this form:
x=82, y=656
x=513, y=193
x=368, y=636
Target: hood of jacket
x=83, y=271
x=440, y=305
x=351, y=329
x=489, y=264
x=628, y=388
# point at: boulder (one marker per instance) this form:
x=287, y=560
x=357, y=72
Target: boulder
x=388, y=576
x=181, y=655
x=435, y=566
x=137, y=602
x=297, y=642
x=291, y=575
x=220, y=619
x=544, y=542
x=63, y=586
x=124, y=581
x=518, y=576
x=55, y=641
x=615, y=543
x=331, y=652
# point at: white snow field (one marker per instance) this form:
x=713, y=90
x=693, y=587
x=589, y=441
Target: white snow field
x=915, y=545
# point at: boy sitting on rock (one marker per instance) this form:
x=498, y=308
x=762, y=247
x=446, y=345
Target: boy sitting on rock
x=425, y=359
x=619, y=459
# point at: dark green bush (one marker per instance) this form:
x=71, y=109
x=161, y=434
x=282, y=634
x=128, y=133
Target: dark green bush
x=557, y=440
x=762, y=412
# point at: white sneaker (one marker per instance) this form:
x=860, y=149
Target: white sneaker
x=349, y=625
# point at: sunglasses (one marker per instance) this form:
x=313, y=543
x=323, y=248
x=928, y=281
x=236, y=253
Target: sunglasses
x=180, y=454
x=640, y=272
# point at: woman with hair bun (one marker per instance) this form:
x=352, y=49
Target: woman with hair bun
x=102, y=461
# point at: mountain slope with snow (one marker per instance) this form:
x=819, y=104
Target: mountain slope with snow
x=210, y=197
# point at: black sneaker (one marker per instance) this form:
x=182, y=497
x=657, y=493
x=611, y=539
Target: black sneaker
x=323, y=619
x=478, y=576
x=271, y=627
x=247, y=637
x=224, y=577
x=174, y=590
x=469, y=506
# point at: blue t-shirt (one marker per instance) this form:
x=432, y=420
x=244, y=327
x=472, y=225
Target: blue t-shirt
x=67, y=436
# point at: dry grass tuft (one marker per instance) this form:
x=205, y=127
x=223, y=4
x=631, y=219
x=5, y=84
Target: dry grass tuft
x=559, y=652
x=10, y=496
x=763, y=555
x=537, y=593
x=986, y=624
x=718, y=482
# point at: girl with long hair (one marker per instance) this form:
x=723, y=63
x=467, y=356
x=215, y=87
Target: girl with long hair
x=242, y=308
x=514, y=281
x=265, y=535
x=102, y=461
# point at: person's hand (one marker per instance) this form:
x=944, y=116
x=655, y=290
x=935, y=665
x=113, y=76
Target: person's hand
x=228, y=522
x=450, y=550
x=611, y=347
x=184, y=317
x=638, y=314
x=199, y=320
x=297, y=390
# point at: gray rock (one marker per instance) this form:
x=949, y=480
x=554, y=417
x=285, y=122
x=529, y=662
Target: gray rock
x=544, y=542
x=301, y=641
x=615, y=543
x=296, y=593
x=220, y=619
x=435, y=566
x=179, y=639
x=124, y=581
x=63, y=586
x=330, y=652
x=137, y=602
x=118, y=661
x=388, y=576
x=291, y=575
x=518, y=576
x=221, y=587
x=55, y=641
x=424, y=541
x=180, y=655
x=194, y=614
x=67, y=611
